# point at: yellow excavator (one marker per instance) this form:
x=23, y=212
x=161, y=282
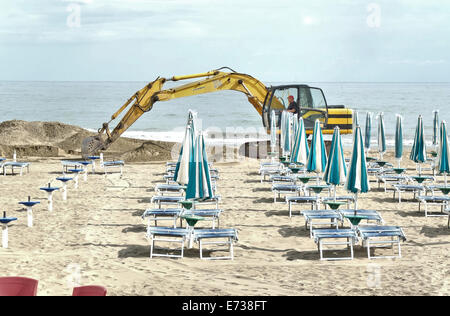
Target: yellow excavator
x=266, y=100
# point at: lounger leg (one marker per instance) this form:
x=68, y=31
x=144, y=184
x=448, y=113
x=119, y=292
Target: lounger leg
x=201, y=248
x=152, y=244
x=231, y=249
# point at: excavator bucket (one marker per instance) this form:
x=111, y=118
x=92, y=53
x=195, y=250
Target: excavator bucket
x=91, y=146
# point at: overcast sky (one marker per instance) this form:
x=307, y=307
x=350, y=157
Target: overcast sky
x=282, y=40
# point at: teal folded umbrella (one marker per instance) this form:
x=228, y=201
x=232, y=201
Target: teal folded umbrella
x=435, y=128
x=336, y=170
x=181, y=174
x=355, y=120
x=419, y=150
x=381, y=136
x=399, y=139
x=357, y=176
x=286, y=133
x=317, y=159
x=444, y=153
x=300, y=150
x=368, y=132
x=273, y=131
x=199, y=186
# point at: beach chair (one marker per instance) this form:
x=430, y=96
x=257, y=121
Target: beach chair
x=349, y=199
x=321, y=218
x=212, y=215
x=312, y=200
x=209, y=201
x=18, y=286
x=369, y=216
x=171, y=189
x=391, y=179
x=18, y=165
x=286, y=189
x=166, y=200
x=403, y=188
x=168, y=235
x=440, y=200
x=379, y=237
x=230, y=236
x=321, y=237
x=89, y=290
x=155, y=215
x=169, y=178
x=113, y=164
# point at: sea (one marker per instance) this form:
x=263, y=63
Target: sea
x=227, y=113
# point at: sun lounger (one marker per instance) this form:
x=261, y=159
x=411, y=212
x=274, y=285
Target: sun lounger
x=211, y=201
x=283, y=179
x=325, y=188
x=169, y=179
x=70, y=164
x=322, y=235
x=391, y=179
x=113, y=164
x=230, y=235
x=312, y=200
x=167, y=200
x=279, y=189
x=18, y=165
x=321, y=218
x=380, y=236
x=442, y=201
x=212, y=215
x=156, y=215
x=402, y=188
x=349, y=199
x=162, y=189
x=369, y=215
x=269, y=172
x=169, y=235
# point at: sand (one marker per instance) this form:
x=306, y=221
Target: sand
x=98, y=237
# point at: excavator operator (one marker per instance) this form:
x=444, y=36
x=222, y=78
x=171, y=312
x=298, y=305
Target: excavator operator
x=293, y=106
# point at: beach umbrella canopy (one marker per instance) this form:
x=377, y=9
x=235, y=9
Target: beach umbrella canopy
x=300, y=150
x=444, y=152
x=357, y=177
x=336, y=170
x=355, y=120
x=199, y=185
x=273, y=131
x=381, y=136
x=399, y=138
x=181, y=174
x=419, y=151
x=435, y=127
x=286, y=132
x=317, y=159
x=368, y=131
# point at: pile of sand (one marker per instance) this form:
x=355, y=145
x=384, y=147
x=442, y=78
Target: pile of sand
x=54, y=139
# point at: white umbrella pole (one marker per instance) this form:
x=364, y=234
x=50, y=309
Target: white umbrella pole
x=335, y=193
x=420, y=169
x=85, y=173
x=50, y=201
x=445, y=179
x=30, y=216
x=65, y=192
x=5, y=236
x=356, y=202
x=76, y=181
x=399, y=163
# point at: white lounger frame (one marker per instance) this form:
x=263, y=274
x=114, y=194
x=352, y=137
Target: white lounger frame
x=176, y=239
x=321, y=242
x=443, y=205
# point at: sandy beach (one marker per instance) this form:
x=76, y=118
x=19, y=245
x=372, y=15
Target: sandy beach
x=99, y=237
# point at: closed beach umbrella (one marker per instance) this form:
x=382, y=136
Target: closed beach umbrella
x=286, y=132
x=294, y=126
x=199, y=186
x=435, y=128
x=419, y=150
x=381, y=136
x=355, y=120
x=273, y=131
x=368, y=132
x=444, y=152
x=300, y=150
x=336, y=170
x=317, y=159
x=399, y=139
x=182, y=169
x=357, y=176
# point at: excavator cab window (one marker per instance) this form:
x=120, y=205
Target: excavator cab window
x=311, y=101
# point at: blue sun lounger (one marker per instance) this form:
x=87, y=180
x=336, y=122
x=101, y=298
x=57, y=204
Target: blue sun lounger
x=312, y=200
x=369, y=215
x=322, y=235
x=169, y=235
x=162, y=189
x=402, y=188
x=230, y=235
x=441, y=200
x=17, y=165
x=113, y=164
x=321, y=218
x=155, y=215
x=349, y=199
x=212, y=215
x=380, y=236
x=167, y=200
x=286, y=189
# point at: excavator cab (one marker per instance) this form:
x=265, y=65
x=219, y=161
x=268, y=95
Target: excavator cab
x=311, y=102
